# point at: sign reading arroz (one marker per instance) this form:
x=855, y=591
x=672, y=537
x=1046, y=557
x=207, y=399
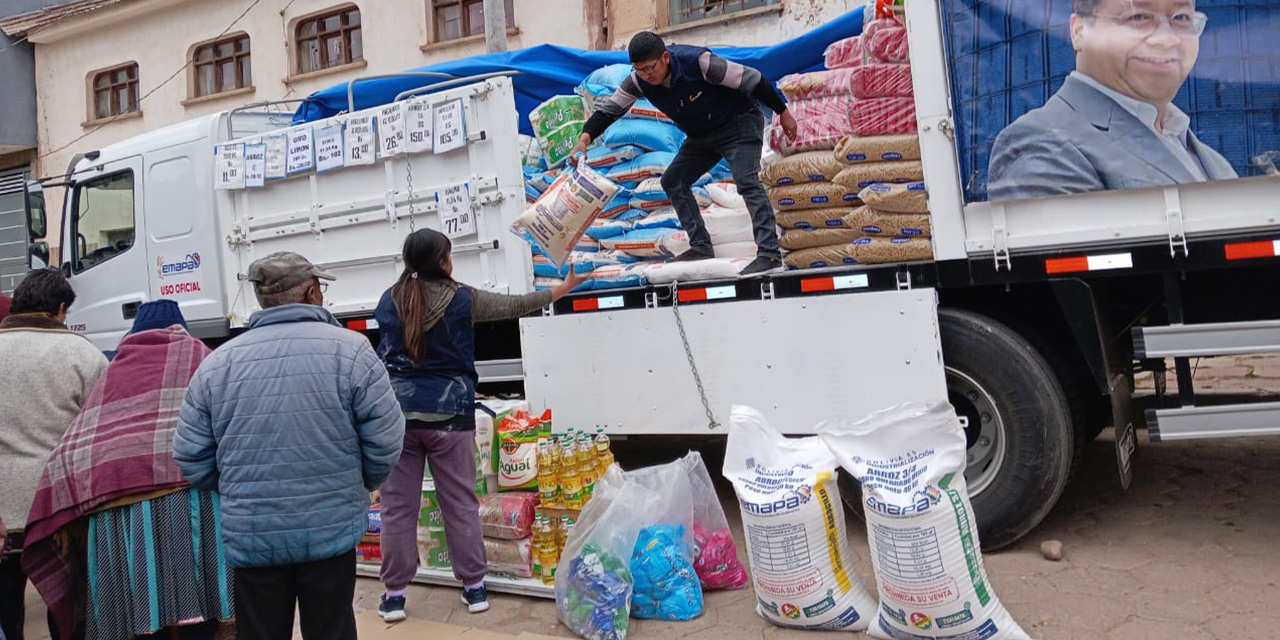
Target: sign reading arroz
x=371, y=177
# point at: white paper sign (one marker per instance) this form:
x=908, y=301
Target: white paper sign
x=391, y=130
x=301, y=149
x=255, y=165
x=329, y=147
x=277, y=151
x=229, y=173
x=450, y=131
x=417, y=125
x=457, y=217
x=360, y=140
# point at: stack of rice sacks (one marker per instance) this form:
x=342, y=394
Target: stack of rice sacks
x=638, y=229
x=876, y=158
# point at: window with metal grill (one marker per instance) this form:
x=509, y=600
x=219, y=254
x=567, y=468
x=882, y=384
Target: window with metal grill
x=222, y=66
x=456, y=19
x=689, y=10
x=329, y=40
x=115, y=91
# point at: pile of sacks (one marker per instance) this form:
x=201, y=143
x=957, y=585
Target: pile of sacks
x=849, y=189
x=637, y=229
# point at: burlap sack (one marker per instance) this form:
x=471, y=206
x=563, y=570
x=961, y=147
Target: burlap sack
x=898, y=198
x=857, y=149
x=860, y=176
x=888, y=224
x=813, y=166
x=796, y=239
x=862, y=251
x=812, y=195
x=813, y=218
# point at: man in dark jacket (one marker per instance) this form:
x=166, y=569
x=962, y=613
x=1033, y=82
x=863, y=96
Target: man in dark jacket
x=713, y=101
x=292, y=422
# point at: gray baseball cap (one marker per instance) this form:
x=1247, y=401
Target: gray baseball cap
x=283, y=271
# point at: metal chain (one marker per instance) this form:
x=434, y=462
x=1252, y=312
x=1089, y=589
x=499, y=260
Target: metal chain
x=408, y=170
x=688, y=352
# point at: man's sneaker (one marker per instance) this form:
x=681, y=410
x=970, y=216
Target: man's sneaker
x=392, y=608
x=477, y=600
x=760, y=266
x=691, y=255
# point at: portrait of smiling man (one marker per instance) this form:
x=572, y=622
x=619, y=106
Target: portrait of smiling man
x=1113, y=124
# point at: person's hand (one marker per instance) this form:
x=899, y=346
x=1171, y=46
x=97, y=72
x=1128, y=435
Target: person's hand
x=789, y=125
x=376, y=496
x=570, y=283
x=581, y=148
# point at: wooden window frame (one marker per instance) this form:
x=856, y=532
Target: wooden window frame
x=464, y=30
x=113, y=88
x=343, y=32
x=216, y=62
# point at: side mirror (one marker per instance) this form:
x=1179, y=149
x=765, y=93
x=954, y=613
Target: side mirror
x=39, y=255
x=37, y=223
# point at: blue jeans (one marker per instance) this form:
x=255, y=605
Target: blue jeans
x=740, y=142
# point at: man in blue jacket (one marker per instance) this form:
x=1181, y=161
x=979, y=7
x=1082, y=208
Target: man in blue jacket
x=713, y=101
x=293, y=423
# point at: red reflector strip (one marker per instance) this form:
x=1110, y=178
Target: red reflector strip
x=1076, y=264
x=597, y=304
x=1246, y=250
x=707, y=293
x=362, y=325
x=813, y=285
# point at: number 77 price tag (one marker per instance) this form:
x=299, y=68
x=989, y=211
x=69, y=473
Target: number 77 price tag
x=457, y=216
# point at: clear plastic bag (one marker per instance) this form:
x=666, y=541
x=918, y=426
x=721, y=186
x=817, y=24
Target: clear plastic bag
x=717, y=561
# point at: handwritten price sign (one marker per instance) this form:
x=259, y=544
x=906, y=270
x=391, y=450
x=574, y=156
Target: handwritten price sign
x=450, y=129
x=360, y=140
x=457, y=217
x=230, y=171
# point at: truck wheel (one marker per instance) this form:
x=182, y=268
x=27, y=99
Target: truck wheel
x=1019, y=426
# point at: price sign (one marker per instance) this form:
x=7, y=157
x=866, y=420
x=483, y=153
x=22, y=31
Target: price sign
x=255, y=165
x=391, y=130
x=329, y=151
x=277, y=150
x=457, y=217
x=360, y=140
x=301, y=150
x=450, y=130
x=229, y=173
x=417, y=125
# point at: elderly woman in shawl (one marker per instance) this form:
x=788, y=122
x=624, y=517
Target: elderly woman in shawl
x=116, y=539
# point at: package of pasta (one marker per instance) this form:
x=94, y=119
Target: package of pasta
x=898, y=198
x=860, y=176
x=885, y=40
x=820, y=124
x=871, y=222
x=862, y=251
x=844, y=54
x=854, y=149
x=812, y=195
x=882, y=80
x=813, y=218
x=817, y=84
x=811, y=166
x=796, y=239
x=883, y=116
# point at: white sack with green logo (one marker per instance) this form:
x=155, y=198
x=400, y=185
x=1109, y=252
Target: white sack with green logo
x=910, y=462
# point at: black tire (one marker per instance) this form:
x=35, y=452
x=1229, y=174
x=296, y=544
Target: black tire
x=1019, y=401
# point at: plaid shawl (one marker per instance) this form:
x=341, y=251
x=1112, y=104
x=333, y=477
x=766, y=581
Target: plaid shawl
x=120, y=445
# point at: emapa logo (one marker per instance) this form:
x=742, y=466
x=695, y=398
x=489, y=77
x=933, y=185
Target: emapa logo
x=189, y=263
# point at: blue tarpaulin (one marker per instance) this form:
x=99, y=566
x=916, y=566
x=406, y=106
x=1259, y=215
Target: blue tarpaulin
x=548, y=70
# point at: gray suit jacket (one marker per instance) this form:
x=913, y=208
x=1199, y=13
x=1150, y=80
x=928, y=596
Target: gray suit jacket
x=1082, y=141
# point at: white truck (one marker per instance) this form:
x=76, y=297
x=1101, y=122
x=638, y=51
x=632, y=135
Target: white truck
x=1032, y=319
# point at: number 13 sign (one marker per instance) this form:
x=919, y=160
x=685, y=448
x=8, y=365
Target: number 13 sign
x=457, y=216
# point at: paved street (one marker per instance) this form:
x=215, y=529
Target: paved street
x=1188, y=552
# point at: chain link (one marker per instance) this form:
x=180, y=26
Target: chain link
x=408, y=170
x=688, y=352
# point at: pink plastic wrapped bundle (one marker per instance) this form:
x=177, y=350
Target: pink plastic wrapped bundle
x=508, y=516
x=882, y=80
x=883, y=116
x=821, y=124
x=717, y=562
x=885, y=40
x=817, y=84
x=844, y=54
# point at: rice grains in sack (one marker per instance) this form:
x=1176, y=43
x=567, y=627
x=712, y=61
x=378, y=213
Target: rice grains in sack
x=812, y=195
x=883, y=116
x=649, y=190
x=645, y=110
x=606, y=228
x=796, y=239
x=725, y=194
x=587, y=244
x=716, y=561
x=601, y=84
x=616, y=277
x=641, y=243
x=910, y=461
x=801, y=564
x=857, y=177
x=695, y=270
x=857, y=149
x=517, y=437
x=882, y=80
x=556, y=112
x=817, y=84
x=602, y=157
x=880, y=223
x=862, y=251
x=811, y=166
x=663, y=218
x=813, y=218
x=559, y=218
x=508, y=516
x=618, y=205
x=649, y=135
x=649, y=164
x=678, y=242
x=899, y=198
x=885, y=40
x=844, y=54
x=733, y=250
x=512, y=557
x=557, y=145
x=543, y=268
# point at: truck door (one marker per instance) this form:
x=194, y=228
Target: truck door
x=106, y=266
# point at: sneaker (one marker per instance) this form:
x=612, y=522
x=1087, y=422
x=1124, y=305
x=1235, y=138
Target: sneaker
x=760, y=266
x=690, y=256
x=392, y=608
x=477, y=600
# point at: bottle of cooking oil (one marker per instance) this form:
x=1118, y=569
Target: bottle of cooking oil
x=539, y=539
x=603, y=454
x=548, y=484
x=570, y=477
x=562, y=533
x=548, y=552
x=587, y=467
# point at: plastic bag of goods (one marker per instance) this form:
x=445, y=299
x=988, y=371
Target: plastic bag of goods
x=530, y=153
x=558, y=219
x=860, y=176
x=844, y=54
x=725, y=194
x=641, y=243
x=508, y=516
x=817, y=84
x=646, y=165
x=666, y=584
x=601, y=84
x=882, y=80
x=602, y=157
x=801, y=564
x=649, y=135
x=593, y=581
x=812, y=195
x=814, y=218
x=910, y=461
x=619, y=204
x=821, y=124
x=872, y=222
x=885, y=40
x=433, y=550
x=608, y=228
x=616, y=277
x=559, y=144
x=645, y=110
x=862, y=251
x=883, y=116
x=811, y=166
x=555, y=113
x=717, y=561
x=796, y=239
x=694, y=271
x=512, y=557
x=517, y=437
x=858, y=149
x=898, y=198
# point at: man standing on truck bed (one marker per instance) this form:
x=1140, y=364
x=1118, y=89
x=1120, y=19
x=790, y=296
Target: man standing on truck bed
x=713, y=101
x=1113, y=124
